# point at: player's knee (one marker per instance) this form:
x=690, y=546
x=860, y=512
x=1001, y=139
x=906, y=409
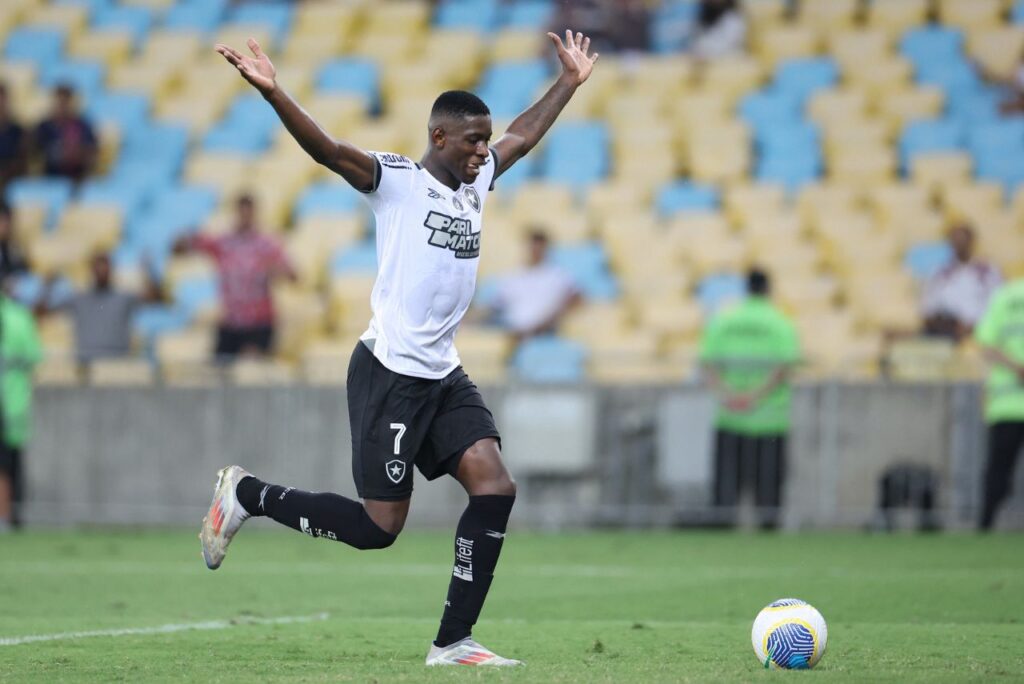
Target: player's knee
x=482, y=471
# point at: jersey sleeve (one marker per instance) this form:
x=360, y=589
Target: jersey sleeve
x=392, y=178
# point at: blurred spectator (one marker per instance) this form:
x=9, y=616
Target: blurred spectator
x=66, y=140
x=1001, y=336
x=534, y=299
x=747, y=353
x=247, y=262
x=612, y=25
x=12, y=260
x=20, y=351
x=1013, y=86
x=720, y=31
x=13, y=143
x=102, y=314
x=955, y=298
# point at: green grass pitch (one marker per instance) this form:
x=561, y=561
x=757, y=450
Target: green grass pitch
x=597, y=607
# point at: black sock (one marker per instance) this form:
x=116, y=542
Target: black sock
x=478, y=541
x=317, y=514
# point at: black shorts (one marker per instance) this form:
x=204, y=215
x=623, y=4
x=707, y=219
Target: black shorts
x=398, y=421
x=233, y=341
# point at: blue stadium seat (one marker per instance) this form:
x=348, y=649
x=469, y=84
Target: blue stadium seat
x=576, y=153
x=183, y=208
x=670, y=26
x=715, y=291
x=54, y=193
x=199, y=15
x=135, y=20
x=550, y=359
x=587, y=263
x=924, y=259
x=1004, y=168
x=475, y=15
x=40, y=46
x=84, y=76
x=509, y=87
x=359, y=258
x=113, y=190
x=350, y=75
x=521, y=171
x=802, y=77
x=195, y=293
x=1017, y=13
x=797, y=138
x=768, y=109
x=932, y=135
x=931, y=44
x=686, y=196
x=276, y=16
x=93, y=6
x=128, y=110
x=974, y=106
x=328, y=198
x=154, y=320
x=528, y=14
x=1003, y=136
x=956, y=77
x=792, y=171
x=163, y=145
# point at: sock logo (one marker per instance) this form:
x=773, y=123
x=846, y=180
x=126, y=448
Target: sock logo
x=305, y=528
x=263, y=496
x=463, y=559
x=395, y=470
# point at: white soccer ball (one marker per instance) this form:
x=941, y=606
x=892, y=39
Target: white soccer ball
x=789, y=634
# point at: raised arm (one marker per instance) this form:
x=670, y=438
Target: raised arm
x=529, y=127
x=348, y=161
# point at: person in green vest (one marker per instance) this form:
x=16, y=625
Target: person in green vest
x=747, y=354
x=1001, y=336
x=20, y=351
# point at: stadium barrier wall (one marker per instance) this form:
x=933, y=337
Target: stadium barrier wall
x=583, y=456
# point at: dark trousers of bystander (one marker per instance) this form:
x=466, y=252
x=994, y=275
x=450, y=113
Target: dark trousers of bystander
x=1004, y=446
x=748, y=461
x=10, y=465
x=232, y=342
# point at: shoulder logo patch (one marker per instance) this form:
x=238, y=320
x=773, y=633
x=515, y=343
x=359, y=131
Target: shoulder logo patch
x=473, y=199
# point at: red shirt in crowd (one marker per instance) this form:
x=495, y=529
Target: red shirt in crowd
x=247, y=263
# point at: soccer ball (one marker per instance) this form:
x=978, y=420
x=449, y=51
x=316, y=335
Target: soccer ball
x=789, y=633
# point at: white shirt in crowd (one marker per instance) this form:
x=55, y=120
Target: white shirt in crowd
x=530, y=297
x=961, y=290
x=725, y=37
x=428, y=250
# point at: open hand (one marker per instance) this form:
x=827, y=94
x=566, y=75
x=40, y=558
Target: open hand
x=257, y=69
x=576, y=63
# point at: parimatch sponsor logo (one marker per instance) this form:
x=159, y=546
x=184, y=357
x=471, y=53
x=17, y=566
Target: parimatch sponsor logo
x=454, y=234
x=463, y=559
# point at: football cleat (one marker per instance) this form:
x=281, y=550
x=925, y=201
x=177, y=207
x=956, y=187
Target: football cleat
x=467, y=652
x=224, y=518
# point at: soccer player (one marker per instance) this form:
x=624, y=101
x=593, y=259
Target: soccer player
x=409, y=400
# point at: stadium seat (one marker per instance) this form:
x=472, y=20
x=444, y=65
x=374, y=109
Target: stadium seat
x=549, y=360
x=509, y=87
x=275, y=16
x=997, y=49
x=197, y=15
x=527, y=14
x=135, y=20
x=350, y=76
x=327, y=198
x=684, y=196
x=927, y=136
x=109, y=47
x=84, y=76
x=967, y=14
x=467, y=14
x=121, y=373
x=925, y=259
x=576, y=153
x=779, y=43
x=717, y=291
x=38, y=46
x=936, y=169
x=358, y=258
x=52, y=193
x=802, y=77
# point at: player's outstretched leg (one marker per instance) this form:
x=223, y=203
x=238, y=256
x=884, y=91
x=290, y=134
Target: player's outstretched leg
x=478, y=541
x=318, y=514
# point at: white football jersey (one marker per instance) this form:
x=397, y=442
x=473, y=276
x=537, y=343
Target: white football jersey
x=428, y=250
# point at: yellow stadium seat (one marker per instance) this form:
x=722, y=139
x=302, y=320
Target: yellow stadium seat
x=400, y=16
x=159, y=5
x=516, y=44
x=173, y=47
x=57, y=333
x=776, y=44
x=56, y=370
x=350, y=302
x=29, y=221
x=98, y=225
x=746, y=201
x=716, y=255
x=804, y=291
x=853, y=136
x=699, y=107
x=671, y=318
x=785, y=255
x=261, y=372
x=671, y=75
x=880, y=77
x=301, y=316
x=829, y=15
x=973, y=200
x=861, y=45
x=52, y=254
x=335, y=113
x=484, y=352
x=967, y=14
x=732, y=76
x=185, y=358
x=192, y=110
x=297, y=79
x=896, y=16
x=387, y=48
x=841, y=103
x=614, y=197
x=325, y=361
x=20, y=78
x=871, y=166
x=820, y=201
x=687, y=228
x=997, y=49
x=188, y=267
x=936, y=170
x=110, y=47
x=765, y=12
x=785, y=226
x=460, y=55
x=628, y=358
x=640, y=284
x=918, y=103
x=309, y=52
x=121, y=372
x=893, y=199
x=329, y=17
x=609, y=317
x=224, y=171
x=534, y=198
x=151, y=78
x=72, y=19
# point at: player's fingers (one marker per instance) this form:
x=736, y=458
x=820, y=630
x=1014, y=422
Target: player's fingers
x=557, y=41
x=594, y=58
x=568, y=38
x=255, y=47
x=579, y=39
x=586, y=44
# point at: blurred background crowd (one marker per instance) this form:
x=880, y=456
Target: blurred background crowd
x=853, y=165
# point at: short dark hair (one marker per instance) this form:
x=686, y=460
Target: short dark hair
x=64, y=89
x=759, y=283
x=459, y=103
x=245, y=199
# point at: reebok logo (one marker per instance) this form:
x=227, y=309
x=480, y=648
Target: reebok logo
x=454, y=234
x=463, y=559
x=433, y=194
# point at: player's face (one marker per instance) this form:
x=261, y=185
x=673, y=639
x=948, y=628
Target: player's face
x=465, y=148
